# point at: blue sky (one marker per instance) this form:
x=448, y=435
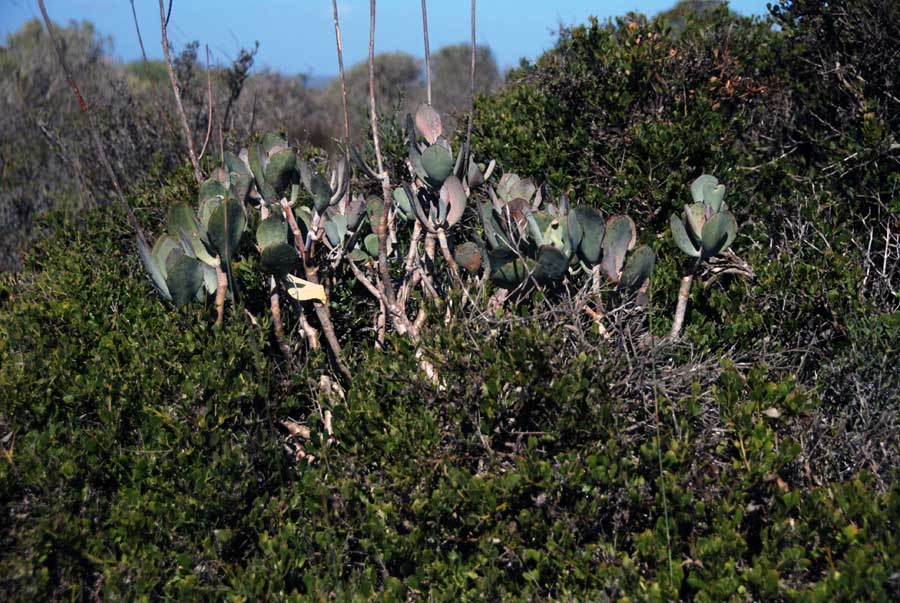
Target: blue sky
x=297, y=36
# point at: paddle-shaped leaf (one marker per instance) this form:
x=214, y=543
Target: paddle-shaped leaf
x=271, y=231
x=552, y=264
x=454, y=196
x=680, y=235
x=513, y=273
x=321, y=192
x=278, y=259
x=438, y=164
x=469, y=256
x=428, y=122
x=699, y=183
x=619, y=238
x=695, y=216
x=718, y=233
x=226, y=225
x=184, y=277
x=281, y=172
x=637, y=269
x=157, y=274
x=590, y=222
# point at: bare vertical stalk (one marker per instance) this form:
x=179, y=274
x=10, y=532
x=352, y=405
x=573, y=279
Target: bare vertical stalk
x=177, y=90
x=427, y=52
x=253, y=113
x=386, y=284
x=92, y=127
x=210, y=113
x=471, y=94
x=340, y=56
x=137, y=28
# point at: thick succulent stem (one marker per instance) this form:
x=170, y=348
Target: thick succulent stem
x=324, y=316
x=453, y=266
x=382, y=229
x=188, y=135
x=380, y=323
x=448, y=257
x=221, y=290
x=409, y=265
x=312, y=275
x=309, y=332
x=278, y=325
x=684, y=293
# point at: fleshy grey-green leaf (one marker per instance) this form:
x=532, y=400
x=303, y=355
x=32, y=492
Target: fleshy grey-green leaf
x=271, y=231
x=278, y=259
x=718, y=233
x=680, y=235
x=226, y=225
x=637, y=269
x=438, y=164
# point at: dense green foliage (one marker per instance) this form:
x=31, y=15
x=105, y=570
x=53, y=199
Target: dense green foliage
x=147, y=454
x=146, y=462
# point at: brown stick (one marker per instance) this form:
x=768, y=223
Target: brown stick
x=427, y=52
x=340, y=55
x=189, y=137
x=448, y=257
x=92, y=127
x=683, y=293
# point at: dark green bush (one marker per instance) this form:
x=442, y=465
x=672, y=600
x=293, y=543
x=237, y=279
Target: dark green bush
x=144, y=460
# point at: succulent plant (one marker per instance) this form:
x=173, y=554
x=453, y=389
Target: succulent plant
x=277, y=256
x=706, y=228
x=181, y=264
x=432, y=160
x=440, y=200
x=274, y=167
x=326, y=192
x=526, y=240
